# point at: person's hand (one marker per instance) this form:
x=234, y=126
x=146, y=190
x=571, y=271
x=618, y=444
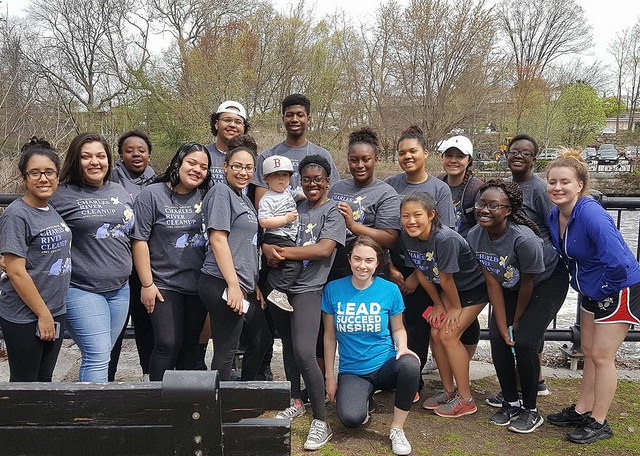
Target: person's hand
x=234, y=298
x=507, y=338
x=397, y=278
x=436, y=316
x=410, y=284
x=452, y=320
x=148, y=297
x=331, y=387
x=46, y=328
x=260, y=298
x=515, y=325
x=292, y=216
x=406, y=351
x=347, y=213
x=273, y=259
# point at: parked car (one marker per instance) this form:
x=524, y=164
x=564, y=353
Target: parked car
x=589, y=153
x=632, y=153
x=608, y=155
x=548, y=154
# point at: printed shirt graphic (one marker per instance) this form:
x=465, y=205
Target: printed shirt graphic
x=101, y=219
x=377, y=205
x=217, y=163
x=361, y=319
x=321, y=222
x=517, y=251
x=43, y=239
x=444, y=251
x=225, y=210
x=172, y=226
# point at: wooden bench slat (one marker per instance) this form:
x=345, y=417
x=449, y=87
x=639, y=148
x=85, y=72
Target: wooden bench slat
x=257, y=436
x=242, y=400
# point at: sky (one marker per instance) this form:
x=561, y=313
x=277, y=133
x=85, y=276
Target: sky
x=606, y=17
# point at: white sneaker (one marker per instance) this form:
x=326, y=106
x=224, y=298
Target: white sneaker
x=280, y=299
x=144, y=378
x=291, y=412
x=319, y=434
x=399, y=443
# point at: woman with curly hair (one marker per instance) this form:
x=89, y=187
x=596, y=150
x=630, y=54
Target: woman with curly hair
x=606, y=276
x=524, y=292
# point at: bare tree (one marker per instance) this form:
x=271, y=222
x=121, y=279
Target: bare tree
x=618, y=49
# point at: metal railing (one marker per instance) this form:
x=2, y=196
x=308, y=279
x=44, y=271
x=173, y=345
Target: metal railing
x=619, y=205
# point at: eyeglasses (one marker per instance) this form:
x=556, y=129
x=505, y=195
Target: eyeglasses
x=315, y=180
x=524, y=153
x=492, y=206
x=238, y=167
x=34, y=174
x=233, y=121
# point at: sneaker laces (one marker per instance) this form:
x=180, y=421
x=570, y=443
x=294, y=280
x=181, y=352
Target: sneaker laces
x=397, y=436
x=290, y=411
x=317, y=430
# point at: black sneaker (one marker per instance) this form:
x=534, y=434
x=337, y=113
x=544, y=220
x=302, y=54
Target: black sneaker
x=568, y=417
x=542, y=388
x=528, y=421
x=497, y=400
x=590, y=431
x=505, y=415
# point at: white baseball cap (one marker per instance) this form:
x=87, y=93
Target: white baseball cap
x=232, y=107
x=462, y=143
x=276, y=163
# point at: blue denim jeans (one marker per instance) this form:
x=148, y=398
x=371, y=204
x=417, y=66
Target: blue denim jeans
x=95, y=321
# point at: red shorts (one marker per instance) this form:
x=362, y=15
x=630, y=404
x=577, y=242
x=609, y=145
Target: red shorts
x=622, y=307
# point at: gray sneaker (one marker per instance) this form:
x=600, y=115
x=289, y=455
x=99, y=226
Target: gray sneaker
x=319, y=434
x=528, y=421
x=505, y=415
x=435, y=401
x=280, y=299
x=291, y=412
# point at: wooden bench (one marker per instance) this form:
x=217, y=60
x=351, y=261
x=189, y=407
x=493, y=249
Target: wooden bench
x=188, y=413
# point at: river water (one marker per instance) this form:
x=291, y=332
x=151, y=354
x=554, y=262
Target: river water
x=567, y=315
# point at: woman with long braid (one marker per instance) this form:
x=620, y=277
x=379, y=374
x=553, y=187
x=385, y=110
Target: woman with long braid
x=525, y=295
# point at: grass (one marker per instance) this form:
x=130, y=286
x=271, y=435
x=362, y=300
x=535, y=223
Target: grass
x=474, y=435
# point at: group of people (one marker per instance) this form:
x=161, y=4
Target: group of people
x=377, y=271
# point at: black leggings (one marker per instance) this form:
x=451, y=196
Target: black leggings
x=142, y=329
x=226, y=327
x=177, y=323
x=299, y=334
x=30, y=358
x=547, y=299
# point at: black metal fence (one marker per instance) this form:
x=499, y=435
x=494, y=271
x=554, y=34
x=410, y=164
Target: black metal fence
x=619, y=205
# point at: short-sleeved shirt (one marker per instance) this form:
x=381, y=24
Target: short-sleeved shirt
x=171, y=224
x=377, y=205
x=295, y=154
x=518, y=251
x=217, y=163
x=101, y=220
x=362, y=322
x=316, y=223
x=434, y=187
x=236, y=215
x=274, y=204
x=444, y=251
x=131, y=184
x=43, y=239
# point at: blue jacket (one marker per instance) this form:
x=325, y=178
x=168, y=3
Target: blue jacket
x=599, y=260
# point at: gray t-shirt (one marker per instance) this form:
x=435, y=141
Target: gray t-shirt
x=131, y=184
x=217, y=162
x=536, y=205
x=43, y=239
x=377, y=205
x=274, y=204
x=434, y=187
x=172, y=226
x=518, y=251
x=322, y=222
x=101, y=220
x=444, y=251
x=295, y=154
x=225, y=210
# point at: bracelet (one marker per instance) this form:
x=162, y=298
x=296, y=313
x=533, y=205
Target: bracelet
x=148, y=286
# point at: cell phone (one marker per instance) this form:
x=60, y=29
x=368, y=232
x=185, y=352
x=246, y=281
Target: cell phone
x=245, y=303
x=56, y=327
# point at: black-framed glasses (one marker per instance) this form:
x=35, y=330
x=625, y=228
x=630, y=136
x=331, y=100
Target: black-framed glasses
x=35, y=174
x=492, y=206
x=316, y=180
x=238, y=167
x=524, y=153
